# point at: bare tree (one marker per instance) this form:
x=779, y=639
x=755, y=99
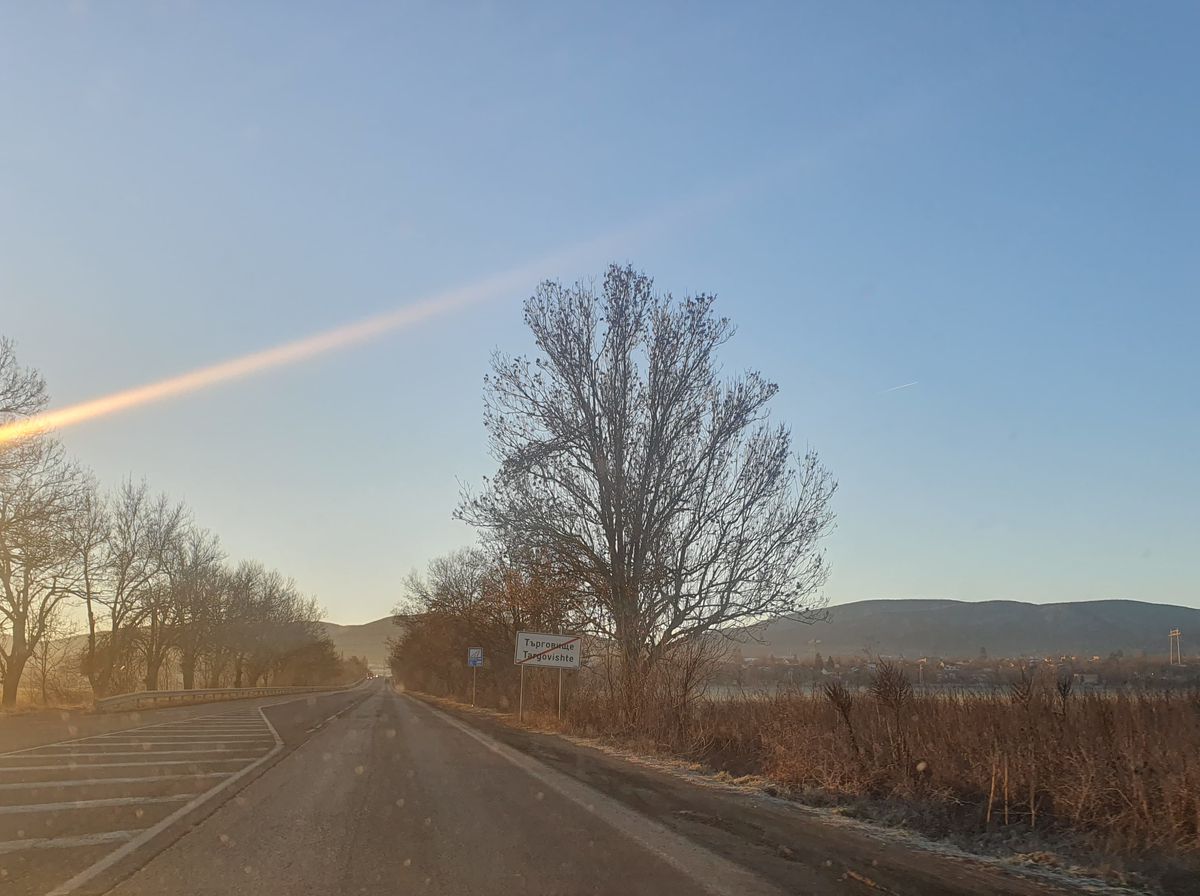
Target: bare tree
x=52, y=657
x=197, y=586
x=155, y=588
x=22, y=390
x=628, y=462
x=90, y=529
x=132, y=560
x=475, y=598
x=155, y=636
x=38, y=495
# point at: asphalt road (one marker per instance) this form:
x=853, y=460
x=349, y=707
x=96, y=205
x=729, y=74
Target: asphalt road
x=372, y=792
x=394, y=798
x=78, y=812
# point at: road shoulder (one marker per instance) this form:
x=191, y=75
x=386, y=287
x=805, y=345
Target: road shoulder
x=790, y=845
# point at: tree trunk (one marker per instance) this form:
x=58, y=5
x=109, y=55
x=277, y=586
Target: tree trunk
x=14, y=664
x=153, y=663
x=43, y=667
x=92, y=676
x=188, y=668
x=13, y=667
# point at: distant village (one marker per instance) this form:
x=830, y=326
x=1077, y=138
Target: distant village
x=1117, y=670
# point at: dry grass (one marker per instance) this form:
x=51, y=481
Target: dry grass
x=29, y=708
x=1110, y=779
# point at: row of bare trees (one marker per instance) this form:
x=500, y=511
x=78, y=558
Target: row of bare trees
x=648, y=484
x=479, y=597
x=154, y=589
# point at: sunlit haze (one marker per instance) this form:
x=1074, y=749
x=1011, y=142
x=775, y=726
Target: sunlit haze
x=263, y=260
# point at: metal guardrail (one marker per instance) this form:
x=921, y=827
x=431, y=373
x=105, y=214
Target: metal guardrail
x=159, y=699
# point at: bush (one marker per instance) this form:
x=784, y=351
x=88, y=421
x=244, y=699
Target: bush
x=1107, y=775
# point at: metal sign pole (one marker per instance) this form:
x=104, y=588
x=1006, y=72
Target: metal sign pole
x=560, y=692
x=521, y=704
x=474, y=669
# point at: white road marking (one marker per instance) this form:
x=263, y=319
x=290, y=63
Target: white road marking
x=79, y=766
x=710, y=872
x=154, y=830
x=27, y=785
x=141, y=753
x=208, y=737
x=244, y=737
x=221, y=729
x=65, y=842
x=92, y=804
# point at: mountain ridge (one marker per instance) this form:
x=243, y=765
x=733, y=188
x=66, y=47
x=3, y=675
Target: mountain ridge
x=913, y=627
x=961, y=629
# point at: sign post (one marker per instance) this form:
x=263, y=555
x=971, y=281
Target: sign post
x=552, y=651
x=474, y=660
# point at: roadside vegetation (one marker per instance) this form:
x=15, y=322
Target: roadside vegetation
x=1032, y=767
x=644, y=500
x=109, y=591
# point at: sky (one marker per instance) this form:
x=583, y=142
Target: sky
x=961, y=237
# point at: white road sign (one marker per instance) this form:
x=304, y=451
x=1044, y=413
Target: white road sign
x=555, y=651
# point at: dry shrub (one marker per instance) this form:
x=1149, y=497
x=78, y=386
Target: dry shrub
x=663, y=712
x=1117, y=776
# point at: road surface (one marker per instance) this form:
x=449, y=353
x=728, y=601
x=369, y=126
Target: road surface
x=372, y=792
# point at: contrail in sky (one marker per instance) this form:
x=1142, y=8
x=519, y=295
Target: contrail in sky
x=897, y=388
x=519, y=279
x=523, y=278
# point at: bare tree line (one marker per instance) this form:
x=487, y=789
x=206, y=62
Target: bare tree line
x=155, y=587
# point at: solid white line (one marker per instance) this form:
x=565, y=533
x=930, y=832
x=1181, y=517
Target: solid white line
x=202, y=723
x=198, y=737
x=207, y=723
x=26, y=785
x=151, y=832
x=203, y=752
x=168, y=729
x=712, y=873
x=92, y=804
x=214, y=720
x=79, y=766
x=167, y=743
x=65, y=842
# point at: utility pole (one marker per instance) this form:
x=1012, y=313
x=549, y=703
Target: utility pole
x=1174, y=649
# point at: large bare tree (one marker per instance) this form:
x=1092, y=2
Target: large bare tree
x=661, y=487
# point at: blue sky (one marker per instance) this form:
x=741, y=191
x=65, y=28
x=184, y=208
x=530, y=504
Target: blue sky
x=998, y=202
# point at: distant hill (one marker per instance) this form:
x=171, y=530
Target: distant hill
x=952, y=628
x=368, y=640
